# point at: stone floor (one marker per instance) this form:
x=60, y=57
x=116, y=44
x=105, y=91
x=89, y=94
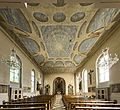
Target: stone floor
x=58, y=103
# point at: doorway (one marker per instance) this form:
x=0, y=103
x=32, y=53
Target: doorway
x=59, y=86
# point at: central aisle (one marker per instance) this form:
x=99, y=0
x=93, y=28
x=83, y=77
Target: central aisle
x=58, y=103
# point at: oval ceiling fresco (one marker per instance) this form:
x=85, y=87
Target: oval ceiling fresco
x=36, y=28
x=60, y=3
x=39, y=59
x=16, y=18
x=78, y=59
x=102, y=18
x=33, y=4
x=40, y=17
x=87, y=44
x=82, y=29
x=59, y=17
x=77, y=16
x=30, y=45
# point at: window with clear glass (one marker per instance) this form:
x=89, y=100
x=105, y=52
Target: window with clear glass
x=32, y=81
x=85, y=81
x=15, y=70
x=103, y=68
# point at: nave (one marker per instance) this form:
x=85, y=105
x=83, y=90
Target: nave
x=49, y=47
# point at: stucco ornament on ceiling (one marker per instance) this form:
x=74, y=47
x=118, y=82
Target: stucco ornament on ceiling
x=57, y=34
x=36, y=29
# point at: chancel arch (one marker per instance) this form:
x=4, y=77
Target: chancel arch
x=59, y=86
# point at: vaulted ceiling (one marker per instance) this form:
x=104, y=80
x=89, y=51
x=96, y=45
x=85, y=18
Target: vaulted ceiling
x=57, y=34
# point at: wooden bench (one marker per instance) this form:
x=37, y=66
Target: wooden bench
x=74, y=105
x=43, y=101
x=97, y=108
x=42, y=105
x=72, y=101
x=24, y=108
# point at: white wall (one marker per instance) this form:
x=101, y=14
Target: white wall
x=6, y=45
x=114, y=47
x=68, y=77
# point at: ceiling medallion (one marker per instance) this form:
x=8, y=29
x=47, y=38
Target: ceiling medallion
x=33, y=4
x=40, y=17
x=77, y=16
x=59, y=17
x=59, y=3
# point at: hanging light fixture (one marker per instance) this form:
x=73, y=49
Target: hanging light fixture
x=12, y=60
x=108, y=58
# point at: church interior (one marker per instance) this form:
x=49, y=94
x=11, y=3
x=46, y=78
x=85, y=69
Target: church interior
x=59, y=54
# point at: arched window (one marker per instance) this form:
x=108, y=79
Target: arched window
x=15, y=70
x=103, y=67
x=32, y=80
x=78, y=83
x=84, y=81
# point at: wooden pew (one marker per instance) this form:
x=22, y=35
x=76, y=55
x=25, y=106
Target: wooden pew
x=43, y=100
x=24, y=108
x=42, y=105
x=74, y=105
x=96, y=108
x=70, y=101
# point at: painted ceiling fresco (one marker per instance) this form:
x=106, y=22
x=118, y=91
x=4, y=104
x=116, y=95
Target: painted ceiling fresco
x=58, y=34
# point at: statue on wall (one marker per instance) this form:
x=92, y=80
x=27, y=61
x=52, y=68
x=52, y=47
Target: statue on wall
x=70, y=89
x=47, y=89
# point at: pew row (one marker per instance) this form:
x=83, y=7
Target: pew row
x=43, y=101
x=72, y=101
x=97, y=108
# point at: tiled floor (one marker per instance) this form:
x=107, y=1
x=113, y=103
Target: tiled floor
x=58, y=103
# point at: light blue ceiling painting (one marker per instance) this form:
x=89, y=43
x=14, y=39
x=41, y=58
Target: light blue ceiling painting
x=77, y=16
x=78, y=59
x=60, y=3
x=87, y=44
x=16, y=18
x=30, y=44
x=33, y=4
x=40, y=17
x=59, y=40
x=59, y=17
x=102, y=18
x=56, y=34
x=39, y=59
